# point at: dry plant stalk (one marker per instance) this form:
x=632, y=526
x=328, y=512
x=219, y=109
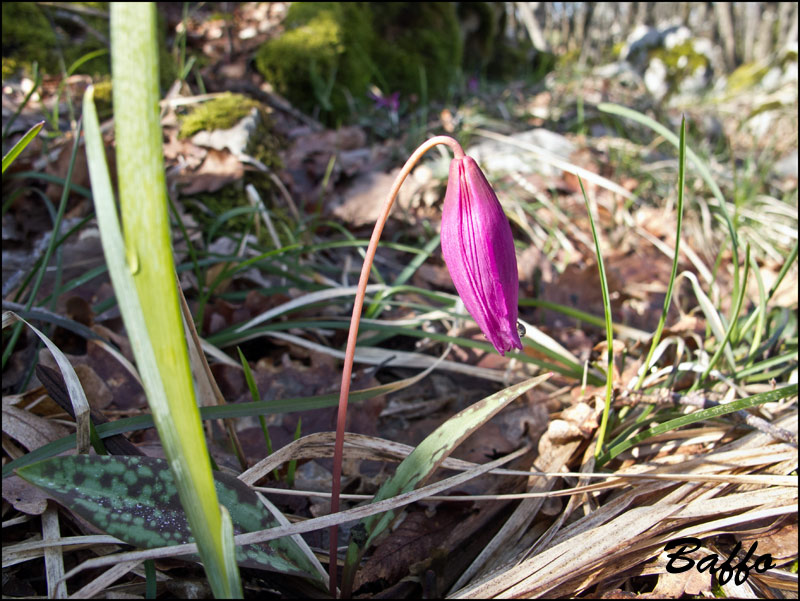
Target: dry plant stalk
x=625, y=535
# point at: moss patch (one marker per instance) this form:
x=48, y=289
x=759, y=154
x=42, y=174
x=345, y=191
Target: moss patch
x=681, y=62
x=225, y=112
x=746, y=76
x=207, y=207
x=318, y=56
x=682, y=59
x=221, y=113
x=41, y=34
x=265, y=145
x=416, y=41
x=27, y=38
x=103, y=99
x=332, y=51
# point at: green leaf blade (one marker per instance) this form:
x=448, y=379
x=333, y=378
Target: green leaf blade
x=20, y=146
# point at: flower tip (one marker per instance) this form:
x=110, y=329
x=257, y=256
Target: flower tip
x=506, y=341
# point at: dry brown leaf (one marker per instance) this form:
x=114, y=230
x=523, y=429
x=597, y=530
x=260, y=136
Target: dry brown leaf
x=219, y=168
x=414, y=539
x=363, y=200
x=97, y=393
x=25, y=497
x=188, y=154
x=704, y=507
x=674, y=586
x=125, y=391
x=780, y=540
x=30, y=430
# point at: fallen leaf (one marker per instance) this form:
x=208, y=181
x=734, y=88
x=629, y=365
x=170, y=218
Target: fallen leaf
x=219, y=168
x=363, y=199
x=25, y=497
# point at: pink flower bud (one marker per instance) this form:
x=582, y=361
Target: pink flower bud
x=479, y=252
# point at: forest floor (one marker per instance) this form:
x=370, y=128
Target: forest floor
x=268, y=258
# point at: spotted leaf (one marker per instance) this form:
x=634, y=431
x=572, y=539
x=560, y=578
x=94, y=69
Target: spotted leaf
x=135, y=500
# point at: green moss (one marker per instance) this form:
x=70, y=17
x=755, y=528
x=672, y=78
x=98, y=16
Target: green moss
x=265, y=145
x=479, y=42
x=225, y=112
x=38, y=33
x=167, y=61
x=520, y=61
x=332, y=51
x=788, y=55
x=681, y=62
x=569, y=58
x=103, y=99
x=10, y=66
x=207, y=207
x=415, y=41
x=218, y=16
x=674, y=58
x=221, y=113
x=27, y=38
x=318, y=57
x=746, y=76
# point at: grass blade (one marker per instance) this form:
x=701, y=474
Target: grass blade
x=12, y=154
x=678, y=230
x=142, y=422
x=723, y=344
x=76, y=395
x=622, y=111
x=601, y=433
x=698, y=416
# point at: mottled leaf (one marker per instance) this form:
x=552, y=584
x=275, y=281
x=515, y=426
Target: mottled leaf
x=135, y=499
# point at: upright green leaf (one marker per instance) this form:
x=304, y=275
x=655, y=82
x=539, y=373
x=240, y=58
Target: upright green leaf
x=675, y=259
x=151, y=310
x=601, y=432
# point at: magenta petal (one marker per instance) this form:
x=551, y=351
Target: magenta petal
x=479, y=251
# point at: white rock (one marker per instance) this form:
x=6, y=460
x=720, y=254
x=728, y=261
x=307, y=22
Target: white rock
x=502, y=157
x=655, y=78
x=234, y=139
x=676, y=37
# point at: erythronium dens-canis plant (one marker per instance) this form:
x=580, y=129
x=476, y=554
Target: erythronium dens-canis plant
x=478, y=249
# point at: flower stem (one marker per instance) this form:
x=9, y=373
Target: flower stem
x=347, y=368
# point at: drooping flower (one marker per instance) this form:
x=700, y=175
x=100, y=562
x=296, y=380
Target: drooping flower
x=478, y=249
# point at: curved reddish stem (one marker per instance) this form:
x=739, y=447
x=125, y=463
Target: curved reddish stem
x=347, y=368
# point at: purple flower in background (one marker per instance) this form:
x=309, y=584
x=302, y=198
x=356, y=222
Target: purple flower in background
x=472, y=85
x=479, y=252
x=388, y=102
